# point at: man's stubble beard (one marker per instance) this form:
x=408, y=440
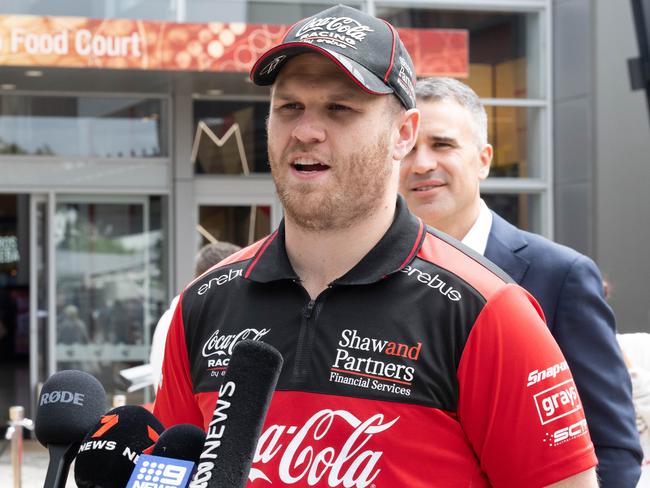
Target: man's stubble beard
x=357, y=194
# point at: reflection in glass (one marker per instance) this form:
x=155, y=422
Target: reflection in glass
x=110, y=285
x=241, y=225
x=500, y=65
x=520, y=209
x=511, y=131
x=230, y=137
x=82, y=126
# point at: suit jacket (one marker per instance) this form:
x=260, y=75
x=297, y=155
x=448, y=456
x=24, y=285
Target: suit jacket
x=568, y=286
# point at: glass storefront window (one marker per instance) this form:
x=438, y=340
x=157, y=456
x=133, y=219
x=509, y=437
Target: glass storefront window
x=254, y=12
x=111, y=284
x=230, y=137
x=241, y=225
x=504, y=59
x=513, y=132
x=127, y=9
x=520, y=209
x=107, y=127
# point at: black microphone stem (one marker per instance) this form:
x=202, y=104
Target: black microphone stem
x=61, y=456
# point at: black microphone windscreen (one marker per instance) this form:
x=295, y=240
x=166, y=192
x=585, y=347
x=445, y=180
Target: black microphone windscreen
x=238, y=418
x=182, y=441
x=111, y=448
x=70, y=403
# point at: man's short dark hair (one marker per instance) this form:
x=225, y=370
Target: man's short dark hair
x=211, y=254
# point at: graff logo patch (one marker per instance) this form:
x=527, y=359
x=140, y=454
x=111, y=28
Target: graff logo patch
x=343, y=32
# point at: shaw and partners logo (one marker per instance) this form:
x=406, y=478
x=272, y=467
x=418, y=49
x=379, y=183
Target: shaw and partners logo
x=557, y=402
x=371, y=363
x=319, y=454
x=343, y=32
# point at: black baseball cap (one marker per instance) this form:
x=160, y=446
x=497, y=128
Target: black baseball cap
x=366, y=48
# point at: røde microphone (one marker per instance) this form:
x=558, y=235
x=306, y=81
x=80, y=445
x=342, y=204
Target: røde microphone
x=238, y=418
x=111, y=448
x=70, y=403
x=182, y=441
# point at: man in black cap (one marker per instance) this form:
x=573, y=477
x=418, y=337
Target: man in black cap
x=408, y=361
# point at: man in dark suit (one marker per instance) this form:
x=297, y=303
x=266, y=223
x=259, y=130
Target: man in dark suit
x=440, y=181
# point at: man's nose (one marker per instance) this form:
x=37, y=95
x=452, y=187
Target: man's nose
x=422, y=161
x=308, y=129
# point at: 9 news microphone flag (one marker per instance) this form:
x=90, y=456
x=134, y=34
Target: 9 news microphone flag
x=70, y=403
x=172, y=460
x=233, y=432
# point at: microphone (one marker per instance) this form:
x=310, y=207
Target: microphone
x=181, y=441
x=70, y=403
x=112, y=446
x=172, y=459
x=238, y=418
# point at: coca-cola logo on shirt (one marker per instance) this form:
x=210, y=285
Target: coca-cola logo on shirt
x=223, y=344
x=315, y=454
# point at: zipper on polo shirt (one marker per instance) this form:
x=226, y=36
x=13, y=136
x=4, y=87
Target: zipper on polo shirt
x=306, y=338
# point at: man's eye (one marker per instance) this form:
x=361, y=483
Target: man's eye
x=335, y=107
x=290, y=106
x=441, y=145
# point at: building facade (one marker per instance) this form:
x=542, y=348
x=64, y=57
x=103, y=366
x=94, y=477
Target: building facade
x=130, y=136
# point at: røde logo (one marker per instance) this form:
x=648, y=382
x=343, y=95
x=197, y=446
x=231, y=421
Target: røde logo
x=343, y=462
x=557, y=401
x=62, y=396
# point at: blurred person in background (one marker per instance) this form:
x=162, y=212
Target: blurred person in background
x=440, y=180
x=636, y=350
x=208, y=256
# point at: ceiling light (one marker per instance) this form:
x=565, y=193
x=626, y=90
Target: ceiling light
x=214, y=91
x=7, y=86
x=34, y=73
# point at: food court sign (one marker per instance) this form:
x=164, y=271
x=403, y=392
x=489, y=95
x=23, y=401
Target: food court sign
x=78, y=42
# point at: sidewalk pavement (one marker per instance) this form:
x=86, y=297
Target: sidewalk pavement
x=35, y=460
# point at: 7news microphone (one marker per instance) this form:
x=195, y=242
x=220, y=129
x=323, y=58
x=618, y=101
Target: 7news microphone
x=110, y=449
x=243, y=401
x=70, y=403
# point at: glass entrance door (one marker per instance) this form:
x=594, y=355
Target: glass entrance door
x=104, y=252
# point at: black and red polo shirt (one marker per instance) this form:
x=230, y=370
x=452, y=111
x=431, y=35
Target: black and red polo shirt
x=423, y=366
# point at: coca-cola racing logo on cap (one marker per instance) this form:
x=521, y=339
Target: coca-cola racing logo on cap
x=343, y=32
x=339, y=463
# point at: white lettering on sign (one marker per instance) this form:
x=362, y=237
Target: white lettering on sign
x=84, y=43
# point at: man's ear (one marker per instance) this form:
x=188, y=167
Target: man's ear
x=408, y=124
x=485, y=160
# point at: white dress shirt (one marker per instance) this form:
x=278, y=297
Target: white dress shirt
x=477, y=236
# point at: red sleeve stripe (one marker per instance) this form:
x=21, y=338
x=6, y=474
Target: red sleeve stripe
x=269, y=240
x=443, y=254
x=415, y=246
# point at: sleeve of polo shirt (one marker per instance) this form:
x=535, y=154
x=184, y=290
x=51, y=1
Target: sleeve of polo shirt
x=518, y=403
x=175, y=402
